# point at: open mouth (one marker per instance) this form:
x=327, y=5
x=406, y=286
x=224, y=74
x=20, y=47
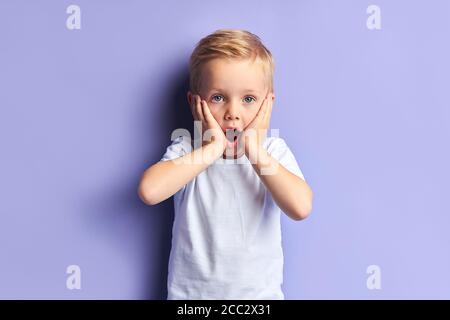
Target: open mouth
x=232, y=134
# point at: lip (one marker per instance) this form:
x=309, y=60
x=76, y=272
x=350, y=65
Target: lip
x=231, y=127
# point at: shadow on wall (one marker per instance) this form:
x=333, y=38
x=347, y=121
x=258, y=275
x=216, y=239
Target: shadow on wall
x=159, y=218
x=117, y=212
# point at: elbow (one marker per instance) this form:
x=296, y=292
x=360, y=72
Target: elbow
x=303, y=211
x=302, y=214
x=146, y=195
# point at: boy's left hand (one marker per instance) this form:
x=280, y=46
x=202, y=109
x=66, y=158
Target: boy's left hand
x=256, y=131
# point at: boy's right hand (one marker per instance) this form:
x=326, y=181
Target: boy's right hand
x=211, y=131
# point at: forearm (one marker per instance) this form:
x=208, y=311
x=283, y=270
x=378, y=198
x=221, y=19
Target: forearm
x=291, y=193
x=165, y=178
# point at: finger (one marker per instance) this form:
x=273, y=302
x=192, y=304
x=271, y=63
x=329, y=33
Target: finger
x=271, y=105
x=192, y=106
x=207, y=113
x=263, y=120
x=198, y=109
x=255, y=122
x=262, y=109
x=269, y=111
x=268, y=108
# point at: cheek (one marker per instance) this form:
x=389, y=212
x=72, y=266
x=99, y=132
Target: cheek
x=250, y=115
x=216, y=113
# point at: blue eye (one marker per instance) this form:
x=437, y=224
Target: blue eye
x=216, y=96
x=251, y=99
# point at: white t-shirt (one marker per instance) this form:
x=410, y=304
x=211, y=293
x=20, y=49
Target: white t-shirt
x=226, y=236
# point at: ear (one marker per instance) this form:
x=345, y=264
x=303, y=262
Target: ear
x=189, y=97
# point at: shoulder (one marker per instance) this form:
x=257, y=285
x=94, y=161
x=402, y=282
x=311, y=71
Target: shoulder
x=179, y=147
x=275, y=144
x=279, y=150
x=183, y=142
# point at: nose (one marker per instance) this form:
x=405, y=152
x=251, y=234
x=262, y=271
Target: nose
x=232, y=111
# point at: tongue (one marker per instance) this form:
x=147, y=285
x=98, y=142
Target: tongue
x=231, y=138
x=231, y=135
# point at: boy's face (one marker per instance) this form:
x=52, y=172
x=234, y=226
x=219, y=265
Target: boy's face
x=234, y=90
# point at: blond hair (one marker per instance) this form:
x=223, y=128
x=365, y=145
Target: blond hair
x=229, y=43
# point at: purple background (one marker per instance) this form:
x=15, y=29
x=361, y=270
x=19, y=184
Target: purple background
x=84, y=112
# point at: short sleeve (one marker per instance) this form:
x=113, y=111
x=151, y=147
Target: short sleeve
x=179, y=147
x=280, y=151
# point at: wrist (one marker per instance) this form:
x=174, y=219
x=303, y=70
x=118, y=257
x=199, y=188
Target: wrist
x=212, y=151
x=256, y=154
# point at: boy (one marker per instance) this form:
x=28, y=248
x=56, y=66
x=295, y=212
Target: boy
x=228, y=192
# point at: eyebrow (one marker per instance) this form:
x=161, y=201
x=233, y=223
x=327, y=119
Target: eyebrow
x=246, y=90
